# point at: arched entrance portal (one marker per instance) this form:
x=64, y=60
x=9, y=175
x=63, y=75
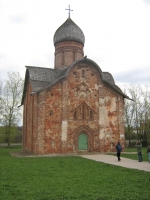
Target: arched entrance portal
x=83, y=139
x=82, y=142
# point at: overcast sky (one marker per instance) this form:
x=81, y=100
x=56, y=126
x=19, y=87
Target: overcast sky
x=117, y=35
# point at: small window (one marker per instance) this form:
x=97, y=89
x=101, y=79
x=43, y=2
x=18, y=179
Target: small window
x=51, y=113
x=91, y=114
x=74, y=55
x=75, y=115
x=83, y=73
x=62, y=58
x=83, y=107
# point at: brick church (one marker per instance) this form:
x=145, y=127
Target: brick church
x=74, y=106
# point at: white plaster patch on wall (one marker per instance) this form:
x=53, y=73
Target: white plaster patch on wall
x=121, y=135
x=113, y=104
x=113, y=121
x=107, y=99
x=96, y=86
x=68, y=102
x=96, y=103
x=102, y=133
x=53, y=143
x=64, y=128
x=103, y=116
x=101, y=101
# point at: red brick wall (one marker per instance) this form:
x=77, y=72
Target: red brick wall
x=27, y=121
x=82, y=103
x=53, y=119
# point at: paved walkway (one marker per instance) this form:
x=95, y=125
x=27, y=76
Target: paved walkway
x=125, y=162
x=110, y=159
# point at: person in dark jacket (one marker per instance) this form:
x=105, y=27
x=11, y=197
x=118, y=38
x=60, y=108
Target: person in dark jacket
x=119, y=149
x=139, y=151
x=148, y=151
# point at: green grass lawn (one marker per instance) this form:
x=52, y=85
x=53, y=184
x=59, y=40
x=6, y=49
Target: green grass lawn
x=67, y=178
x=144, y=149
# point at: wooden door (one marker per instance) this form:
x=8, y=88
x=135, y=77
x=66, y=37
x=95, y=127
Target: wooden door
x=82, y=142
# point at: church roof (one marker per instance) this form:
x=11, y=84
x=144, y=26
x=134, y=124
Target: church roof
x=69, y=31
x=42, y=78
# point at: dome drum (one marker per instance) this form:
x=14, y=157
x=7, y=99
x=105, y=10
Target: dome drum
x=67, y=52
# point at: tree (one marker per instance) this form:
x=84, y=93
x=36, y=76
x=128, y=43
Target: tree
x=144, y=131
x=0, y=100
x=129, y=110
x=9, y=102
x=137, y=112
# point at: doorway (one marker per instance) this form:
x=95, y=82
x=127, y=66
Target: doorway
x=82, y=142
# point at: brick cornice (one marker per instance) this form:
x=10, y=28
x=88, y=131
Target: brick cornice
x=68, y=45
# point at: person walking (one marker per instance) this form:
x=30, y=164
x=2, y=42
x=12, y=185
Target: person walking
x=119, y=149
x=148, y=151
x=139, y=151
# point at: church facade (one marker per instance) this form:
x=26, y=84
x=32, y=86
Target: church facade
x=73, y=107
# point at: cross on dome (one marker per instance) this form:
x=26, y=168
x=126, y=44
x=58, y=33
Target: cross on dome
x=69, y=11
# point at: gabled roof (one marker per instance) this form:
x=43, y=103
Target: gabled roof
x=42, y=78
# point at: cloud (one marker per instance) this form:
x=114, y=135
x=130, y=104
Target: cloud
x=2, y=56
x=147, y=2
x=138, y=76
x=117, y=35
x=17, y=19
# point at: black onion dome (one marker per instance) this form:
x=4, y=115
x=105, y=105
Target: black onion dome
x=69, y=31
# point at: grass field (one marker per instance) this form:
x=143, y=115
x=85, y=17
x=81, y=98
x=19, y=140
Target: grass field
x=68, y=178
